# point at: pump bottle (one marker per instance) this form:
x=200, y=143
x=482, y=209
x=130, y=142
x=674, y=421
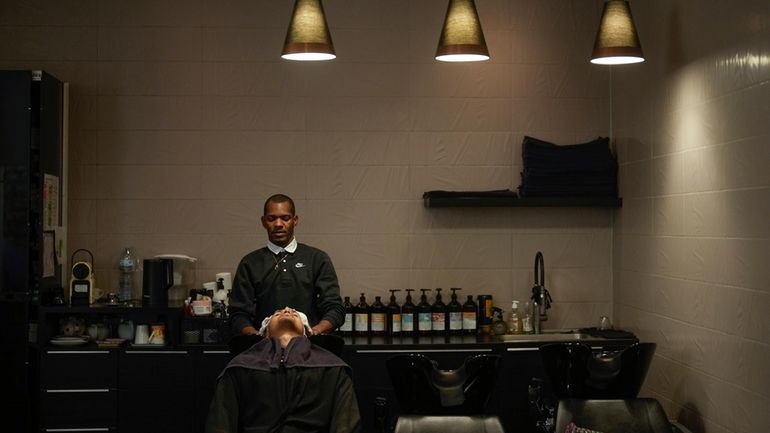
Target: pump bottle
x=347, y=327
x=361, y=317
x=378, y=317
x=514, y=322
x=438, y=315
x=455, y=314
x=424, y=314
x=470, y=312
x=394, y=315
x=408, y=315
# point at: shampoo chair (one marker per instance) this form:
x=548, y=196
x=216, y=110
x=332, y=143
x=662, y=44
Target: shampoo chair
x=575, y=372
x=633, y=415
x=444, y=401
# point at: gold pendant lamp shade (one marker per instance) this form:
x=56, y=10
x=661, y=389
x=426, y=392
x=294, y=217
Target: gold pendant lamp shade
x=308, y=37
x=462, y=39
x=616, y=41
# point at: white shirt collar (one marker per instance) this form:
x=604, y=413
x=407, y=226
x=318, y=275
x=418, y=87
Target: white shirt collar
x=275, y=249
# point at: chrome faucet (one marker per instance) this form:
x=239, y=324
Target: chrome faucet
x=541, y=299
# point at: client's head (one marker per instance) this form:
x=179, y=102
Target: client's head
x=286, y=321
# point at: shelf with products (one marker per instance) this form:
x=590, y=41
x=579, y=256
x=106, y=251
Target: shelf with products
x=52, y=321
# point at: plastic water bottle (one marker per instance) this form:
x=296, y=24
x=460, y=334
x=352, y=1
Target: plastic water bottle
x=127, y=266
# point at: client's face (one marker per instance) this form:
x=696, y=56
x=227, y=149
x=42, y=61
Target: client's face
x=285, y=320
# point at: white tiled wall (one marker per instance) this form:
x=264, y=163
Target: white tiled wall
x=692, y=241
x=185, y=119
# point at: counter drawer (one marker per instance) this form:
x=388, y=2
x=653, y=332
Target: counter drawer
x=159, y=411
x=70, y=369
x=156, y=369
x=78, y=409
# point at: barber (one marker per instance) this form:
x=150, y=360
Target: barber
x=284, y=273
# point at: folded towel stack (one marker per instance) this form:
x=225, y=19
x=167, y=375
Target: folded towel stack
x=550, y=170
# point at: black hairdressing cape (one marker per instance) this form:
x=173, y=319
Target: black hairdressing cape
x=302, y=388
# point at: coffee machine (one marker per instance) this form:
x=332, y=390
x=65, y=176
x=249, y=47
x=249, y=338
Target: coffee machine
x=158, y=278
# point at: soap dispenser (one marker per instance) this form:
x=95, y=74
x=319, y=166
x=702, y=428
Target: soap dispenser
x=378, y=317
x=394, y=315
x=424, y=314
x=347, y=326
x=514, y=321
x=455, y=313
x=438, y=315
x=470, y=312
x=361, y=317
x=408, y=312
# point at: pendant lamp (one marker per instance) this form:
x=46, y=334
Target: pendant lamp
x=616, y=41
x=308, y=37
x=462, y=39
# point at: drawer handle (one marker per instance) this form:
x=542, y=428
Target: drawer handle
x=216, y=352
x=58, y=391
x=77, y=352
x=78, y=429
x=156, y=352
x=424, y=351
x=522, y=349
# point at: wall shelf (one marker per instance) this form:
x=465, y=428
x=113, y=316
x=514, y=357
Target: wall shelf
x=487, y=200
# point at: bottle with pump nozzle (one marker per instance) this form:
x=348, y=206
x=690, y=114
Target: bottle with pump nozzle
x=347, y=327
x=438, y=315
x=514, y=321
x=378, y=317
x=455, y=313
x=394, y=315
x=408, y=315
x=424, y=314
x=361, y=317
x=470, y=311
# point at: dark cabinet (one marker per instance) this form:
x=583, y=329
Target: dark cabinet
x=127, y=389
x=155, y=391
x=133, y=391
x=510, y=400
x=208, y=365
x=32, y=105
x=78, y=390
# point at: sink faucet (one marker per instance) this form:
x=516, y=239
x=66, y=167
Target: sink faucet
x=541, y=299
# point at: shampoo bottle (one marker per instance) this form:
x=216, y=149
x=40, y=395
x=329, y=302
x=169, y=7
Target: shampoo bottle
x=408, y=318
x=424, y=314
x=378, y=317
x=361, y=317
x=438, y=315
x=394, y=315
x=470, y=311
x=347, y=327
x=455, y=313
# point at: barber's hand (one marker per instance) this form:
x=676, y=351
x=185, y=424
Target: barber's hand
x=249, y=330
x=314, y=331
